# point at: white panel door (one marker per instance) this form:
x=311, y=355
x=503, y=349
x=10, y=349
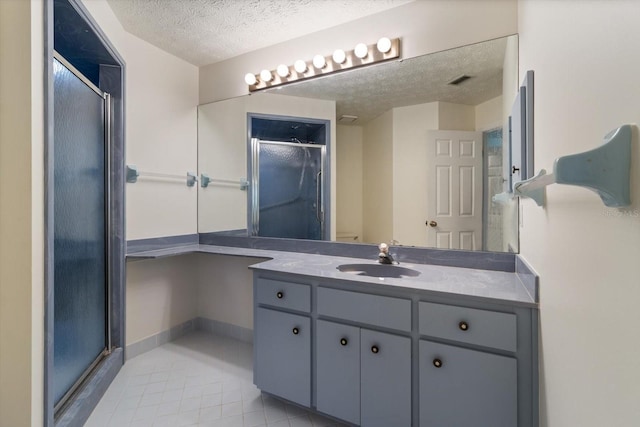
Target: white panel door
x=454, y=190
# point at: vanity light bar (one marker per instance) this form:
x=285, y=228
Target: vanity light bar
x=384, y=50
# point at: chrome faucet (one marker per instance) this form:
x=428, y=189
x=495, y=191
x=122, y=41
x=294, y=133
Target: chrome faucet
x=384, y=257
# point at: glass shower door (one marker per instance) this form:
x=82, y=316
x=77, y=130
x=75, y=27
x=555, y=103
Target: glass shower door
x=80, y=260
x=288, y=192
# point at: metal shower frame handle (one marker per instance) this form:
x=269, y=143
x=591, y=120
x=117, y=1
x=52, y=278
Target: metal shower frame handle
x=320, y=183
x=108, y=216
x=255, y=189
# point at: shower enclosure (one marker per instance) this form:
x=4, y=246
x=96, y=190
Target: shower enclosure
x=84, y=245
x=288, y=196
x=81, y=274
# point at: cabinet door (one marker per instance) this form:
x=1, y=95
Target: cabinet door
x=385, y=379
x=282, y=365
x=462, y=387
x=338, y=370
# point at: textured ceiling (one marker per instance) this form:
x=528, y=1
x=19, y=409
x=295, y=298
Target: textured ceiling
x=370, y=91
x=207, y=31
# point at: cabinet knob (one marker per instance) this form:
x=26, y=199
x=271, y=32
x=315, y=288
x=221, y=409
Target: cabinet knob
x=280, y=295
x=344, y=341
x=437, y=363
x=375, y=349
x=296, y=331
x=464, y=326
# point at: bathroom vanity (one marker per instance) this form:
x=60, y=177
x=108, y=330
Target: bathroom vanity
x=450, y=347
x=415, y=344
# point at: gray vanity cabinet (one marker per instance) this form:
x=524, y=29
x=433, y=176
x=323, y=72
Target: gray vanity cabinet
x=463, y=387
x=282, y=346
x=282, y=339
x=386, y=379
x=338, y=370
x=467, y=386
x=383, y=356
x=383, y=360
x=363, y=376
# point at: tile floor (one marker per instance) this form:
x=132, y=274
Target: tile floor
x=198, y=380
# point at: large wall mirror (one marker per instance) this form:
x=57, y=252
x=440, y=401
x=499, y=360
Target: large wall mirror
x=414, y=152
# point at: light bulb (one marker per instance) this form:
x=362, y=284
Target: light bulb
x=250, y=79
x=265, y=75
x=339, y=56
x=361, y=50
x=283, y=70
x=300, y=66
x=384, y=45
x=319, y=61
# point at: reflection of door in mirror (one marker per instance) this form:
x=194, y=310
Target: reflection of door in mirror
x=454, y=190
x=287, y=164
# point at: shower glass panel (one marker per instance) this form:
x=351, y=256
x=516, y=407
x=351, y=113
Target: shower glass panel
x=80, y=261
x=289, y=190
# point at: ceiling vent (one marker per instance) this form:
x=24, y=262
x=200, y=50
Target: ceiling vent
x=459, y=80
x=345, y=118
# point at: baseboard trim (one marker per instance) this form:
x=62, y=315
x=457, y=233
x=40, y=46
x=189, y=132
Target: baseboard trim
x=197, y=323
x=224, y=329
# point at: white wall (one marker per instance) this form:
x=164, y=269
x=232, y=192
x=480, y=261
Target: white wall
x=584, y=55
x=21, y=213
x=377, y=196
x=410, y=127
x=424, y=26
x=225, y=289
x=456, y=117
x=489, y=114
x=160, y=294
x=223, y=152
x=349, y=183
x=161, y=131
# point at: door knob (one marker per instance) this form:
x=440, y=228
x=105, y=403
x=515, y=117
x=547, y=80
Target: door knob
x=431, y=223
x=514, y=170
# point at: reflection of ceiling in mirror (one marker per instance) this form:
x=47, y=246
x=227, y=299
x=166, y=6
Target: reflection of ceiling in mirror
x=370, y=91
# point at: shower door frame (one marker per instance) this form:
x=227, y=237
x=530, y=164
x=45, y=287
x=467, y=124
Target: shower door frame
x=106, y=98
x=326, y=170
x=254, y=227
x=111, y=80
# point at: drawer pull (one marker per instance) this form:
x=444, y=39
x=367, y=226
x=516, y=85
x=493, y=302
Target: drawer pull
x=343, y=341
x=280, y=295
x=296, y=331
x=437, y=363
x=464, y=326
x=375, y=349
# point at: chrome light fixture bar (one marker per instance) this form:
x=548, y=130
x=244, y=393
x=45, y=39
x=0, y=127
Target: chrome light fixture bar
x=385, y=49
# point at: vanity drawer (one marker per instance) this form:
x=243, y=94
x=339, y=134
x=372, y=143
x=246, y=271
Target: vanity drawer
x=387, y=312
x=276, y=293
x=469, y=325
